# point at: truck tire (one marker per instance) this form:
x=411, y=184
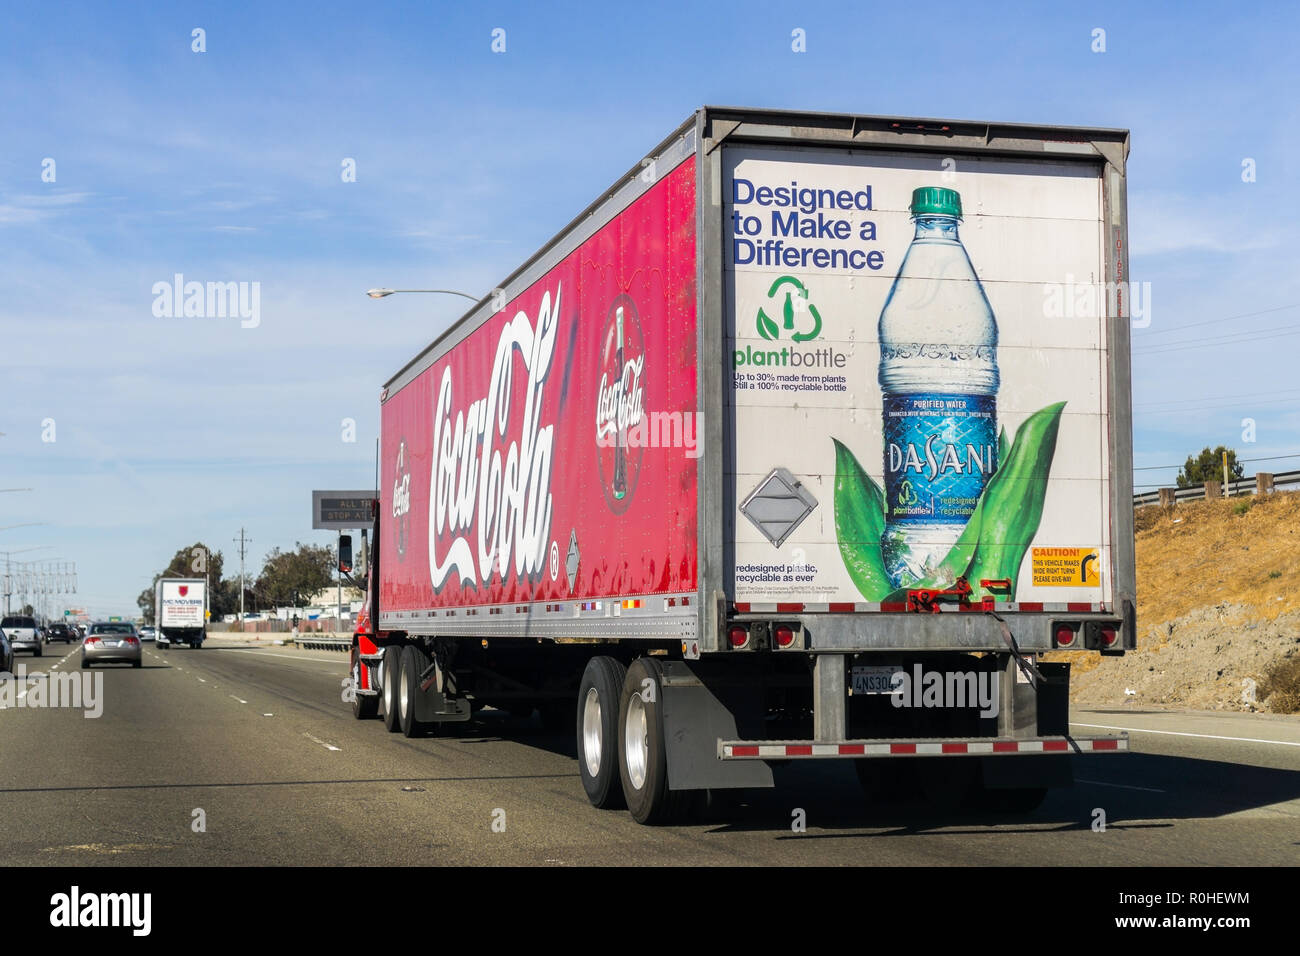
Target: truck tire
x=390, y=672
x=643, y=747
x=597, y=731
x=414, y=661
x=363, y=708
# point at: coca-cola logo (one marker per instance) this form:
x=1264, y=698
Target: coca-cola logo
x=490, y=508
x=402, y=500
x=620, y=403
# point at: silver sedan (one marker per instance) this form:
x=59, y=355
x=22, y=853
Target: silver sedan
x=113, y=642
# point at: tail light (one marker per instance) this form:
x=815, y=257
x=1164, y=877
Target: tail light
x=738, y=637
x=1109, y=635
x=783, y=635
x=133, y=640
x=92, y=640
x=1065, y=635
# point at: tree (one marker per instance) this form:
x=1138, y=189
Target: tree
x=307, y=570
x=196, y=561
x=1208, y=466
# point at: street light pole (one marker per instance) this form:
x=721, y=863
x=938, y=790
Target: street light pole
x=381, y=293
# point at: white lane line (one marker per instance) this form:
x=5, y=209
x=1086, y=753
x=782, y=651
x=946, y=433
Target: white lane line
x=1122, y=786
x=202, y=681
x=309, y=660
x=240, y=699
x=321, y=742
x=1181, y=733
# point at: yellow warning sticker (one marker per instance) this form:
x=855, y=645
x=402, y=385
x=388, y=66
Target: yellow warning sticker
x=1066, y=567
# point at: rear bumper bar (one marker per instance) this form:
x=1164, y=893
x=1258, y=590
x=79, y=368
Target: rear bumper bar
x=928, y=747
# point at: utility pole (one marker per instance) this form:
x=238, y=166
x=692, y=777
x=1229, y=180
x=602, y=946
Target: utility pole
x=243, y=541
x=1225, y=473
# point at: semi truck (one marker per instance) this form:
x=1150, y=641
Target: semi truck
x=808, y=439
x=181, y=605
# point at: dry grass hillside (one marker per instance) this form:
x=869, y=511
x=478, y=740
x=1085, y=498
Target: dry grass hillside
x=1218, y=610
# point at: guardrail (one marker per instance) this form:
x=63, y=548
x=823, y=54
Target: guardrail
x=322, y=643
x=1241, y=486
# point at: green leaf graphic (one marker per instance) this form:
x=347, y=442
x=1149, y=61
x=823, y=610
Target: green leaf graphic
x=1012, y=504
x=766, y=327
x=859, y=521
x=996, y=537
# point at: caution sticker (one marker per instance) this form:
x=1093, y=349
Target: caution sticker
x=1066, y=567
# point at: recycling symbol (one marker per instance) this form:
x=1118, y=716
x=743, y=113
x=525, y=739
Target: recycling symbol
x=769, y=329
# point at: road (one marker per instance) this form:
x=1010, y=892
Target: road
x=257, y=746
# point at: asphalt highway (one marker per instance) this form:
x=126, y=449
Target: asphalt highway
x=247, y=755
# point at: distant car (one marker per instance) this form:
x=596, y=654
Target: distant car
x=61, y=633
x=148, y=633
x=22, y=633
x=6, y=654
x=111, y=642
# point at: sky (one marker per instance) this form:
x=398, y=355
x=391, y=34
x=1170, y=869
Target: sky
x=140, y=433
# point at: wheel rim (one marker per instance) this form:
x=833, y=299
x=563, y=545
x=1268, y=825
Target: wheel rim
x=592, y=732
x=636, y=747
x=405, y=695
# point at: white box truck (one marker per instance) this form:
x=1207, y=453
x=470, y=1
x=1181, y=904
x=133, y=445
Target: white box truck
x=181, y=606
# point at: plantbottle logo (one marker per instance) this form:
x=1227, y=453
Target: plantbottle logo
x=795, y=303
x=620, y=404
x=402, y=500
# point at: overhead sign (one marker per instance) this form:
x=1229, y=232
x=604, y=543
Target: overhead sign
x=342, y=510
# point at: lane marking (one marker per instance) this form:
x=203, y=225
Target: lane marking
x=1183, y=733
x=202, y=680
x=290, y=657
x=321, y=742
x=240, y=699
x=1122, y=786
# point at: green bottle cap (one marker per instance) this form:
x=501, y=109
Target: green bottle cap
x=936, y=201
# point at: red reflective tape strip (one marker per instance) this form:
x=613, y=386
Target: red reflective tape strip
x=1105, y=745
x=841, y=608
x=893, y=606
x=744, y=751
x=902, y=748
x=1031, y=606
x=1056, y=745
x=799, y=750
x=1005, y=747
x=955, y=749
x=788, y=608
x=742, y=608
x=1078, y=607
x=852, y=749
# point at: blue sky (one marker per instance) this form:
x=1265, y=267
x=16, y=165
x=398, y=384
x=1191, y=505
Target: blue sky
x=225, y=165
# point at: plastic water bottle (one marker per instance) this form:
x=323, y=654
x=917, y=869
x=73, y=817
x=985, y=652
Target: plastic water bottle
x=939, y=378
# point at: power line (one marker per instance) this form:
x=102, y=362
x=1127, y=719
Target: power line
x=1232, y=338
x=1226, y=318
x=1240, y=461
x=1215, y=398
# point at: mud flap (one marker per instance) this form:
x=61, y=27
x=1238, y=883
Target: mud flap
x=434, y=707
x=700, y=709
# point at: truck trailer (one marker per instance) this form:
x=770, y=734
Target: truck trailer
x=181, y=606
x=809, y=439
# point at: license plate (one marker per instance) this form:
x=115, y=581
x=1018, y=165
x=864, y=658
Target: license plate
x=875, y=680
